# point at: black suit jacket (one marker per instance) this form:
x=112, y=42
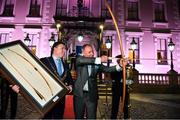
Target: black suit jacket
x=83, y=75
x=49, y=63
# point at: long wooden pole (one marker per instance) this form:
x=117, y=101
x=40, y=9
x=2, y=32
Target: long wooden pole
x=122, y=53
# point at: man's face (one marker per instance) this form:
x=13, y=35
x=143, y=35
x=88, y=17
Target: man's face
x=59, y=51
x=88, y=52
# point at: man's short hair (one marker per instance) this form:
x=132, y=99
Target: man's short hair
x=55, y=45
x=86, y=45
x=118, y=56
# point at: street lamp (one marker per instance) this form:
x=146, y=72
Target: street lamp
x=80, y=37
x=101, y=27
x=171, y=46
x=58, y=26
x=133, y=47
x=27, y=40
x=51, y=40
x=108, y=46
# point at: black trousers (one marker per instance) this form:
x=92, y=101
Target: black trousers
x=7, y=92
x=85, y=106
x=57, y=111
x=117, y=90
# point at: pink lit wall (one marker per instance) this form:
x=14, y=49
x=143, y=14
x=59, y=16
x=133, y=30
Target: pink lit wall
x=144, y=29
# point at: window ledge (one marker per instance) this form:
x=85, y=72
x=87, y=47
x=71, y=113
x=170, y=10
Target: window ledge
x=108, y=20
x=133, y=22
x=7, y=18
x=162, y=64
x=32, y=18
x=155, y=23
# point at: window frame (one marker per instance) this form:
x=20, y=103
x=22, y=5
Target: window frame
x=3, y=11
x=164, y=60
x=165, y=12
x=137, y=40
x=104, y=9
x=138, y=10
x=39, y=4
x=7, y=38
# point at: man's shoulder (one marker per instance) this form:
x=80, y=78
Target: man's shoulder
x=45, y=59
x=79, y=56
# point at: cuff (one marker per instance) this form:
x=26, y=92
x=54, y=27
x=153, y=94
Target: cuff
x=98, y=61
x=118, y=68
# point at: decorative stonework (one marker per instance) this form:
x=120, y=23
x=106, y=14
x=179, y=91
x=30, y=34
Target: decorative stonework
x=46, y=12
x=121, y=12
x=177, y=52
x=176, y=14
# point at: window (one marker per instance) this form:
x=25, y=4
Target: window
x=162, y=51
x=4, y=37
x=132, y=8
x=1, y=6
x=8, y=8
x=61, y=7
x=34, y=10
x=159, y=12
x=104, y=11
x=137, y=51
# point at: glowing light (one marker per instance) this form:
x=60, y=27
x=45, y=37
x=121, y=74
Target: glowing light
x=80, y=37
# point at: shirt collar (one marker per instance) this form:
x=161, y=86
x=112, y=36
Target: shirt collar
x=55, y=58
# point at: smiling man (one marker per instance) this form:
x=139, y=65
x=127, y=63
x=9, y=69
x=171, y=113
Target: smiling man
x=56, y=64
x=85, y=87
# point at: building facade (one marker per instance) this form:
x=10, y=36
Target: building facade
x=151, y=23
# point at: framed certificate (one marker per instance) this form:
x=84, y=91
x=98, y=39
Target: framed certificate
x=39, y=86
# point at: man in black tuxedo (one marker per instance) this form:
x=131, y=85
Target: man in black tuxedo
x=85, y=87
x=117, y=90
x=56, y=64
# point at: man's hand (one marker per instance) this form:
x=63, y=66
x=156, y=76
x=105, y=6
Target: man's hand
x=70, y=88
x=15, y=88
x=104, y=59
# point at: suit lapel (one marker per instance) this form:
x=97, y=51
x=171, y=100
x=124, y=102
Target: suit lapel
x=92, y=70
x=53, y=64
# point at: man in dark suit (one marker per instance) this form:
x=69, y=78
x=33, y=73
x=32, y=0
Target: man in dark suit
x=56, y=64
x=85, y=87
x=117, y=92
x=7, y=92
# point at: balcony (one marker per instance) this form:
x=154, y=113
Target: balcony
x=77, y=18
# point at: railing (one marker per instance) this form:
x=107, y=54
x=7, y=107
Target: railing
x=157, y=79
x=74, y=12
x=148, y=83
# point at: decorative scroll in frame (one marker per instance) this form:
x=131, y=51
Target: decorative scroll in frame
x=39, y=86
